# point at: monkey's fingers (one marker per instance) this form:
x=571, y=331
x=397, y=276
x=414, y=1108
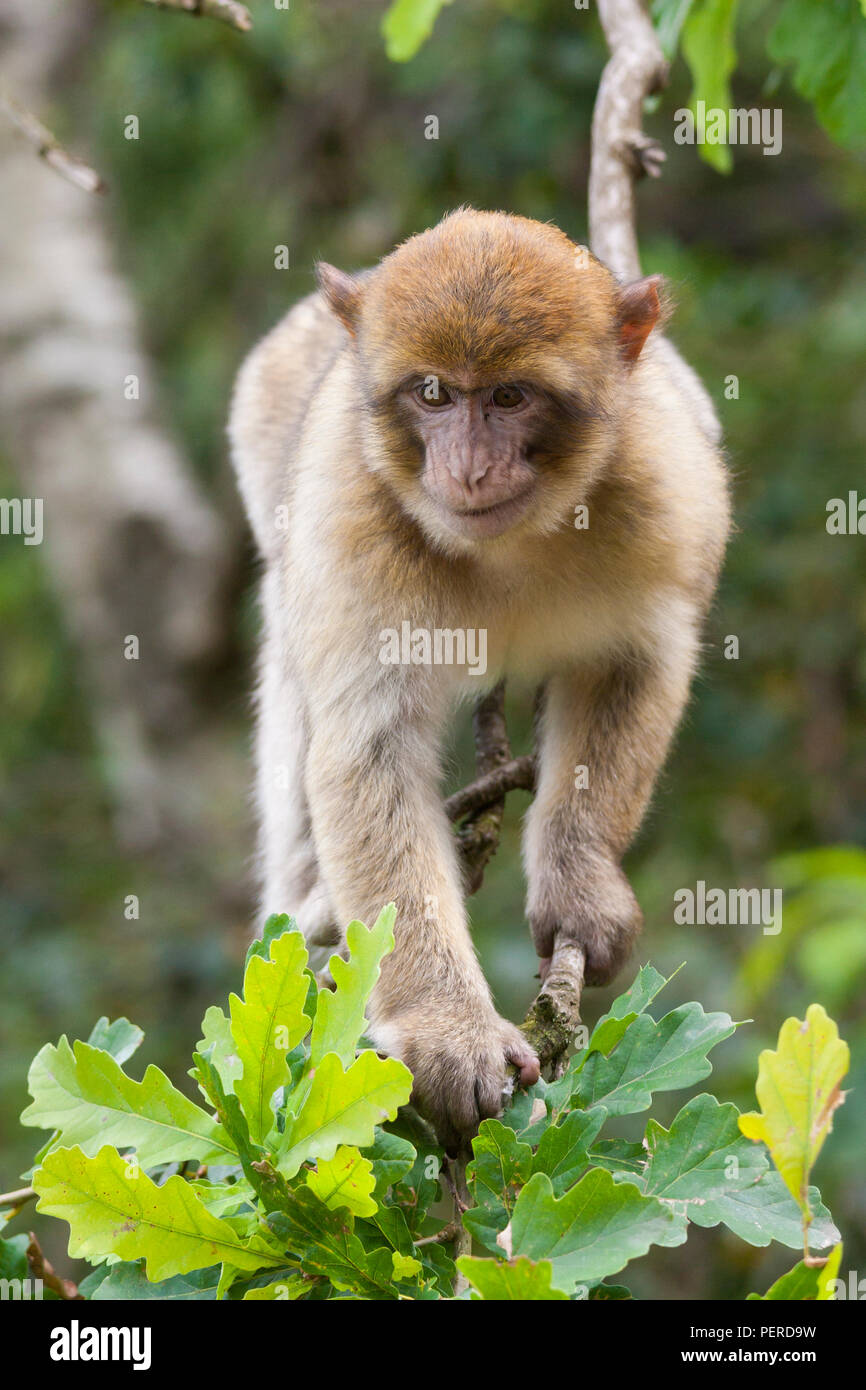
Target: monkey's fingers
x=523, y=1057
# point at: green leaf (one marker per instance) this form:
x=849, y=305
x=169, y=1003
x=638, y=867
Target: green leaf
x=342, y=1107
x=611, y=1027
x=593, y=1230
x=267, y=1024
x=218, y=1043
x=124, y=1282
x=806, y=1282
x=668, y=17
x=702, y=1155
x=284, y=1290
x=111, y=1213
x=618, y=1155
x=521, y=1280
x=502, y=1164
x=346, y=1180
x=798, y=1091
x=325, y=1244
x=708, y=48
x=563, y=1151
x=663, y=1056
x=392, y=1158
x=276, y=925
x=13, y=1257
x=121, y=1038
x=83, y=1093
x=825, y=41
x=766, y=1211
x=340, y=1017
x=407, y=25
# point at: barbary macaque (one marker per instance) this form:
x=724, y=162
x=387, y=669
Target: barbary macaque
x=481, y=434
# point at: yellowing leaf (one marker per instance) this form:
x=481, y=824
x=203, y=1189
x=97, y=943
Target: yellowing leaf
x=346, y=1180
x=113, y=1208
x=84, y=1093
x=798, y=1090
x=340, y=1017
x=405, y=1266
x=343, y=1107
x=267, y=1024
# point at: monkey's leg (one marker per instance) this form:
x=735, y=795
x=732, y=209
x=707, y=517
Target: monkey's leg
x=291, y=878
x=381, y=834
x=604, y=737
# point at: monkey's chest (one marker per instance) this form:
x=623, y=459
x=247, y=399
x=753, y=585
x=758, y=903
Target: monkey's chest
x=533, y=635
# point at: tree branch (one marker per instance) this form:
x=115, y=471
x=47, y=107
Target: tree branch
x=17, y=1198
x=229, y=11
x=516, y=774
x=48, y=147
x=478, y=837
x=620, y=150
x=42, y=1268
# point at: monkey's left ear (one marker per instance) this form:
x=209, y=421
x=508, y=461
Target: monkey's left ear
x=343, y=293
x=639, y=309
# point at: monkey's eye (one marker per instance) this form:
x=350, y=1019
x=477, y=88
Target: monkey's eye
x=431, y=392
x=507, y=397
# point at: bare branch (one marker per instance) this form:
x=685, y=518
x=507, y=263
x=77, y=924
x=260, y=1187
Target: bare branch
x=17, y=1198
x=620, y=150
x=516, y=774
x=554, y=1017
x=48, y=147
x=42, y=1268
x=229, y=11
x=478, y=838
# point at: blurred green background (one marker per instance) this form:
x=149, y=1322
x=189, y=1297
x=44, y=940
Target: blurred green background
x=302, y=133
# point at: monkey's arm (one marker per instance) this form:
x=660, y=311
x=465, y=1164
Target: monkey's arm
x=609, y=729
x=381, y=833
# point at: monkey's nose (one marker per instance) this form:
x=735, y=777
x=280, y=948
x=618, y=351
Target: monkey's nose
x=469, y=471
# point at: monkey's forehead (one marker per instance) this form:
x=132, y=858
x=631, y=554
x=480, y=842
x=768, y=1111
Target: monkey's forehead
x=486, y=293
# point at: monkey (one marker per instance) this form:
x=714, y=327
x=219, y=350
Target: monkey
x=413, y=444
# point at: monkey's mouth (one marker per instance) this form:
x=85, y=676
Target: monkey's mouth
x=484, y=522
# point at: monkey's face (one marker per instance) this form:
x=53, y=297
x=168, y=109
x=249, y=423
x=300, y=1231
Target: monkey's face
x=475, y=451
x=491, y=352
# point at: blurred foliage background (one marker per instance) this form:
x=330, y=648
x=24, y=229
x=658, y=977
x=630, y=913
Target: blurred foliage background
x=303, y=133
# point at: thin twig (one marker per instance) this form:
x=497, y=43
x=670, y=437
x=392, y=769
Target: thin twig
x=229, y=11
x=462, y=1202
x=516, y=774
x=620, y=150
x=48, y=147
x=42, y=1268
x=447, y=1233
x=17, y=1198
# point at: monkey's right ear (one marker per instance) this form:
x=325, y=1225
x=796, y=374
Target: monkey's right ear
x=343, y=293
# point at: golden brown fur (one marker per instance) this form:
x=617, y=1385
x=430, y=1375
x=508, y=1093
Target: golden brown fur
x=607, y=617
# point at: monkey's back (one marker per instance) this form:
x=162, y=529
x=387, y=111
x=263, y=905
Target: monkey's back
x=272, y=396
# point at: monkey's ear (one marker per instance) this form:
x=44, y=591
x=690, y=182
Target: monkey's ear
x=343, y=293
x=639, y=309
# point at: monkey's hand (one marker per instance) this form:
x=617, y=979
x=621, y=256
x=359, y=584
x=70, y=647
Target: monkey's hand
x=589, y=901
x=458, y=1059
